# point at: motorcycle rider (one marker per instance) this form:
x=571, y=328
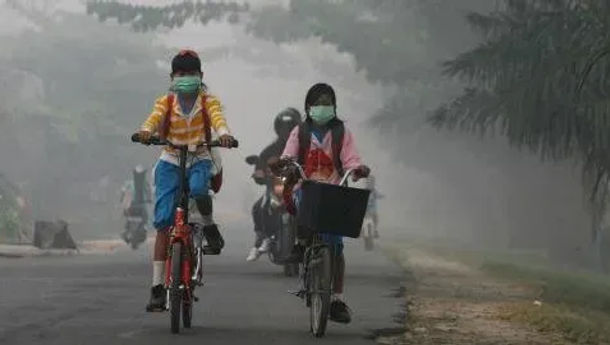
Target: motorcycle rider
x=135, y=195
x=283, y=124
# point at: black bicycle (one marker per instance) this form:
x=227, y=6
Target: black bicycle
x=328, y=208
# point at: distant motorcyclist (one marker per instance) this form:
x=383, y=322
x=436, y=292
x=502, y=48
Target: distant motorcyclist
x=371, y=210
x=135, y=195
x=283, y=124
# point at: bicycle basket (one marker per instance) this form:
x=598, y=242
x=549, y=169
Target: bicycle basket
x=333, y=209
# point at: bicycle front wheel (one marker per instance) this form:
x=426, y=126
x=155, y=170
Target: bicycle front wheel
x=320, y=267
x=175, y=293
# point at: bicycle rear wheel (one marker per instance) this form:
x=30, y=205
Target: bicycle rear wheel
x=175, y=294
x=320, y=284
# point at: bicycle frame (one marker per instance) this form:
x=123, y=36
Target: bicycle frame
x=181, y=232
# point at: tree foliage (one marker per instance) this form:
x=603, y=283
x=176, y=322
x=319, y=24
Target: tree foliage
x=148, y=18
x=540, y=77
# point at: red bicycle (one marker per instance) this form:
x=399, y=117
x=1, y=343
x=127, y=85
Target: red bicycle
x=184, y=264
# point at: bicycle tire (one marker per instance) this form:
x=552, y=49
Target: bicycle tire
x=175, y=294
x=321, y=276
x=187, y=313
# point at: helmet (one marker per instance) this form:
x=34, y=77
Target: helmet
x=139, y=169
x=285, y=121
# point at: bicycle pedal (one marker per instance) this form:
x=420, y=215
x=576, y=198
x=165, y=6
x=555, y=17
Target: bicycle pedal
x=298, y=293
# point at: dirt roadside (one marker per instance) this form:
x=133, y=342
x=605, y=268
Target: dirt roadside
x=449, y=302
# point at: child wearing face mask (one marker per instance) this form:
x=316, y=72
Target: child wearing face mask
x=187, y=115
x=326, y=149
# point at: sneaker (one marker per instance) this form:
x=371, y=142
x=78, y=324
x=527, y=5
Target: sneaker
x=265, y=246
x=157, y=299
x=254, y=255
x=340, y=312
x=213, y=238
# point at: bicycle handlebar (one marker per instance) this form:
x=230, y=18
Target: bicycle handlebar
x=156, y=141
x=299, y=168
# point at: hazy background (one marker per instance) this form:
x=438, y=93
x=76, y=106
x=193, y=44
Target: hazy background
x=72, y=90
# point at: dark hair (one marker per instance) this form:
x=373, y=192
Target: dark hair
x=316, y=91
x=186, y=63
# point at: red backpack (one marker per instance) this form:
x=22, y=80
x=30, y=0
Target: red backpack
x=216, y=181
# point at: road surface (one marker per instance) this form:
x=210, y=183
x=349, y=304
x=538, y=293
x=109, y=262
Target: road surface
x=100, y=299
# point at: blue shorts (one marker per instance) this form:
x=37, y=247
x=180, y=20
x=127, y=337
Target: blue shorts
x=334, y=241
x=167, y=182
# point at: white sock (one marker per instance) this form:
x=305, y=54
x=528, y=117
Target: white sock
x=207, y=220
x=158, y=273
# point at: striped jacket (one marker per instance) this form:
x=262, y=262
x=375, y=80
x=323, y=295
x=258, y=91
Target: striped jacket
x=186, y=129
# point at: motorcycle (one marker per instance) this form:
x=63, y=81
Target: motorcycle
x=279, y=223
x=135, y=228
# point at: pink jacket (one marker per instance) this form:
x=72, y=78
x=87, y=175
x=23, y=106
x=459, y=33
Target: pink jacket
x=325, y=172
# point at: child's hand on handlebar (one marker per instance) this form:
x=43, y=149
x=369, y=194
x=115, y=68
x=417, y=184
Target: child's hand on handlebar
x=226, y=140
x=145, y=136
x=361, y=172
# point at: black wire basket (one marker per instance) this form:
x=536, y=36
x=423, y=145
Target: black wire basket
x=331, y=209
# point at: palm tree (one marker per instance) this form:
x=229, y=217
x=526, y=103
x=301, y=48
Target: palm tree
x=147, y=18
x=540, y=77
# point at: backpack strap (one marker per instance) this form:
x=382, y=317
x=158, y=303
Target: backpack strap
x=207, y=126
x=338, y=132
x=164, y=130
x=304, y=141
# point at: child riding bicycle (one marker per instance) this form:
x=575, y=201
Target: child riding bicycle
x=185, y=116
x=326, y=149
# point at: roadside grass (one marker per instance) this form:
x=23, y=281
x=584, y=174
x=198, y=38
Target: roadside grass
x=577, y=304
x=572, y=302
x=579, y=325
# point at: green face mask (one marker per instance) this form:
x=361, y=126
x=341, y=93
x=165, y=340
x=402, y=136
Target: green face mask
x=188, y=84
x=321, y=114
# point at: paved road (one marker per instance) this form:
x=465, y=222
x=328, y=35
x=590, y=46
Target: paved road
x=92, y=300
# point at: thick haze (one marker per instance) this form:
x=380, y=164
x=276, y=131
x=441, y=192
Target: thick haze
x=435, y=183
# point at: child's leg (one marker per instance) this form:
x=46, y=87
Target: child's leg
x=339, y=311
x=339, y=275
x=199, y=183
x=166, y=180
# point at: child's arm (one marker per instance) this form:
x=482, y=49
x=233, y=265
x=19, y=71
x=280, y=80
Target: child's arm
x=156, y=116
x=349, y=154
x=218, y=121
